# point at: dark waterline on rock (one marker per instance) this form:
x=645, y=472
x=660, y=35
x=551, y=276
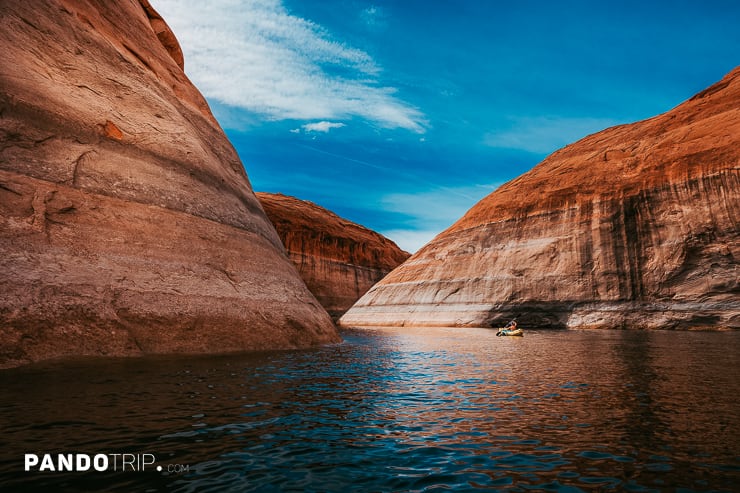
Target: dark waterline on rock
x=394, y=410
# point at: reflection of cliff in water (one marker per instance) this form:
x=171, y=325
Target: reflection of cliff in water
x=643, y=425
x=690, y=370
x=446, y=384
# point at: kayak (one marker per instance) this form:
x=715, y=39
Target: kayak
x=510, y=332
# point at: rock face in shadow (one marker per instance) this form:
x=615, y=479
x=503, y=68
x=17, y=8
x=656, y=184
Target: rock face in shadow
x=338, y=259
x=635, y=226
x=127, y=222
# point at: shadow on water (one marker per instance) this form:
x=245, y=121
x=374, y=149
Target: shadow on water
x=394, y=410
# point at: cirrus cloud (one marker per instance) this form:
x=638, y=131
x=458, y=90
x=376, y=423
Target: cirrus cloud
x=543, y=135
x=256, y=56
x=430, y=211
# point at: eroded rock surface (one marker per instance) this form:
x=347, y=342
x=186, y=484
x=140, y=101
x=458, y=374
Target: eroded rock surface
x=127, y=222
x=339, y=260
x=635, y=226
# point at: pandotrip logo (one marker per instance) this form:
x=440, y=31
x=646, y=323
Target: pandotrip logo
x=82, y=463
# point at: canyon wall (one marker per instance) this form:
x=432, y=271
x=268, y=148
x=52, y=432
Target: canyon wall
x=632, y=227
x=338, y=259
x=127, y=222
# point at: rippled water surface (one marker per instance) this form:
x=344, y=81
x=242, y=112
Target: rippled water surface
x=394, y=410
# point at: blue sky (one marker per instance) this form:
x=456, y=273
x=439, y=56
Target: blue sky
x=400, y=115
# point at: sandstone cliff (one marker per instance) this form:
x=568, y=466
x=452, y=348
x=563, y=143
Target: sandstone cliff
x=338, y=259
x=634, y=226
x=127, y=222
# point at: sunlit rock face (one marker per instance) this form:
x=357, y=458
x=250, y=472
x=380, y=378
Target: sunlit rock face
x=339, y=260
x=635, y=226
x=127, y=222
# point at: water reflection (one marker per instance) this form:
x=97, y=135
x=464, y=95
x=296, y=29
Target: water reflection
x=397, y=410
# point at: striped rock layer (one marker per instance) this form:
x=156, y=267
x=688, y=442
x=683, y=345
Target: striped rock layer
x=339, y=260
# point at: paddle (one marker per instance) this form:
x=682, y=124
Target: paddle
x=506, y=327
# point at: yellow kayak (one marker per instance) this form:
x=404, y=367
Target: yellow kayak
x=510, y=332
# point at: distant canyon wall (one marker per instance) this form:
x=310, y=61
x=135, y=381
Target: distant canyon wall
x=127, y=222
x=636, y=226
x=339, y=260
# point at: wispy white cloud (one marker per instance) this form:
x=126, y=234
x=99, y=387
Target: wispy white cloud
x=543, y=135
x=256, y=56
x=411, y=240
x=321, y=126
x=374, y=17
x=431, y=212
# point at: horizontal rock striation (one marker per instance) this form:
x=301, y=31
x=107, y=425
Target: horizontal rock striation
x=635, y=226
x=127, y=222
x=338, y=259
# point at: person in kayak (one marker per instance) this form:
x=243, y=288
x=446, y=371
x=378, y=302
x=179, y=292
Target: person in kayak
x=509, y=330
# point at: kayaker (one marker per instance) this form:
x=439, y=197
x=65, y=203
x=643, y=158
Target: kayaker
x=510, y=327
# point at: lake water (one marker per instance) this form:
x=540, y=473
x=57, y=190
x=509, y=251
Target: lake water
x=393, y=410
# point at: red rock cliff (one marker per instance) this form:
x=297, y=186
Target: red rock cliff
x=127, y=222
x=634, y=226
x=338, y=259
